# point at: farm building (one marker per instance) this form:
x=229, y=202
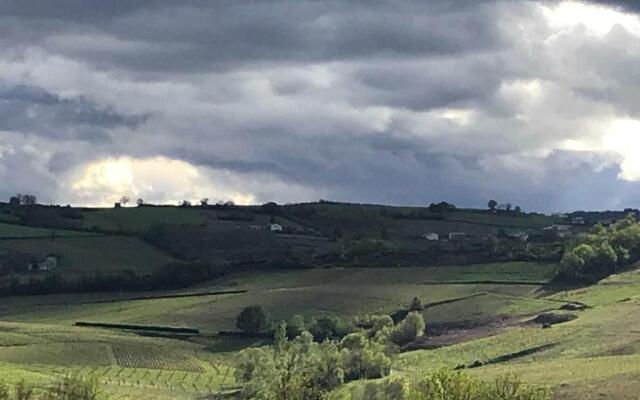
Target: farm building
x=577, y=221
x=453, y=236
x=524, y=236
x=431, y=236
x=49, y=263
x=275, y=228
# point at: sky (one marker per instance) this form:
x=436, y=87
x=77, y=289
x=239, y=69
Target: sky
x=536, y=103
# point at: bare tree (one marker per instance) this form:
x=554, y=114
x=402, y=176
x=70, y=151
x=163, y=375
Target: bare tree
x=140, y=202
x=124, y=200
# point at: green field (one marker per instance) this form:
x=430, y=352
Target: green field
x=19, y=231
x=484, y=310
x=41, y=342
x=92, y=254
x=138, y=219
x=599, y=347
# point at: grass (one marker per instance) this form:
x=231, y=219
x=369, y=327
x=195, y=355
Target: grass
x=125, y=365
x=600, y=350
x=501, y=220
x=19, y=231
x=139, y=219
x=307, y=292
x=93, y=254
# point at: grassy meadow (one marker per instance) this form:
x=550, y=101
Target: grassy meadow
x=38, y=339
x=484, y=310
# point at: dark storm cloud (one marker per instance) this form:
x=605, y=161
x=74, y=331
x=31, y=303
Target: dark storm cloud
x=402, y=102
x=626, y=5
x=200, y=35
x=30, y=109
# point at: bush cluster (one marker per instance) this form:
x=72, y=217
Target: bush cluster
x=603, y=251
x=447, y=385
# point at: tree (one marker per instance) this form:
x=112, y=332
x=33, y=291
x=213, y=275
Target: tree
x=140, y=202
x=408, y=330
x=296, y=369
x=492, y=205
x=271, y=208
x=27, y=199
x=507, y=206
x=204, y=201
x=363, y=358
x=124, y=200
x=518, y=209
x=416, y=305
x=185, y=203
x=252, y=319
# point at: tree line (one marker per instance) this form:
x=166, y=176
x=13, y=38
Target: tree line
x=602, y=251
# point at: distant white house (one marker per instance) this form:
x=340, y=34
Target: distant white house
x=49, y=263
x=457, y=236
x=562, y=231
x=524, y=236
x=275, y=228
x=431, y=236
x=577, y=221
x=557, y=228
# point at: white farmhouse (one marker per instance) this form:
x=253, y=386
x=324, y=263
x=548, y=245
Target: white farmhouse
x=49, y=263
x=431, y=236
x=523, y=236
x=275, y=228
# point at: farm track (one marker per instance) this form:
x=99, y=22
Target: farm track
x=486, y=282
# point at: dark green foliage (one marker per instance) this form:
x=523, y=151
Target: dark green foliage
x=298, y=369
x=271, y=208
x=408, y=330
x=442, y=207
x=171, y=276
x=416, y=305
x=603, y=251
x=329, y=327
x=252, y=319
x=363, y=358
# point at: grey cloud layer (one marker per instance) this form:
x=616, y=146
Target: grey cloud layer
x=356, y=101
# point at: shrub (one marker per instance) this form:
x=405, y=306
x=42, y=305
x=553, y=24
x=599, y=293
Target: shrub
x=447, y=385
x=416, y=305
x=408, y=330
x=73, y=388
x=252, y=319
x=298, y=369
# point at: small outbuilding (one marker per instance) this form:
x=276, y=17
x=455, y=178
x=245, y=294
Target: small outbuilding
x=431, y=236
x=275, y=228
x=454, y=236
x=49, y=263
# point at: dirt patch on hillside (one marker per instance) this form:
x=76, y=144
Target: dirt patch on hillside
x=449, y=334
